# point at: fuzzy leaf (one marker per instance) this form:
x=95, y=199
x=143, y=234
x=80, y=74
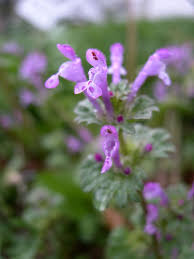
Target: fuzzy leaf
x=159, y=138
x=124, y=244
x=85, y=112
x=127, y=127
x=142, y=108
x=111, y=186
x=121, y=89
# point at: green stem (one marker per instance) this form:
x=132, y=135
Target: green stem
x=123, y=145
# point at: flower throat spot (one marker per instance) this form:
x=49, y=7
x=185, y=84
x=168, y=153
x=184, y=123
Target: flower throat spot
x=94, y=55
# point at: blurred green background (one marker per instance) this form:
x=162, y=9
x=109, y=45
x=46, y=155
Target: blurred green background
x=43, y=212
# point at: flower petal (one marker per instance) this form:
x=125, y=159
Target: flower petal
x=107, y=165
x=95, y=57
x=67, y=51
x=94, y=91
x=72, y=71
x=80, y=87
x=52, y=81
x=123, y=71
x=165, y=78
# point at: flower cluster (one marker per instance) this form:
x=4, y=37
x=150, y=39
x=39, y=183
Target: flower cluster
x=152, y=191
x=96, y=87
x=125, y=143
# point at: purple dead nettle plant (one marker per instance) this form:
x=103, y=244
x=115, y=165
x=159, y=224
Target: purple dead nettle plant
x=116, y=175
x=97, y=87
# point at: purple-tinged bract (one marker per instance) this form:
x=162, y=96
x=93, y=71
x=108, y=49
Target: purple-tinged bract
x=148, y=147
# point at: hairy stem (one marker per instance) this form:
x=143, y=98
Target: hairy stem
x=123, y=145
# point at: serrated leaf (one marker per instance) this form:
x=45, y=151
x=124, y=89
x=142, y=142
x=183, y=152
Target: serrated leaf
x=127, y=127
x=121, y=89
x=159, y=138
x=124, y=244
x=85, y=112
x=111, y=186
x=142, y=108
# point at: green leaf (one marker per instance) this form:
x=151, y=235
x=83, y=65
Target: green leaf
x=125, y=244
x=85, y=112
x=127, y=127
x=142, y=108
x=121, y=89
x=77, y=203
x=159, y=138
x=25, y=247
x=111, y=186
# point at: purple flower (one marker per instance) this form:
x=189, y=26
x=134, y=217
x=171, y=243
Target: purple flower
x=32, y=67
x=116, y=58
x=71, y=70
x=190, y=194
x=181, y=57
x=91, y=86
x=110, y=147
x=151, y=217
x=6, y=121
x=11, y=48
x=153, y=191
x=155, y=66
x=85, y=134
x=160, y=91
x=34, y=63
x=74, y=145
x=27, y=97
x=148, y=147
x=97, y=59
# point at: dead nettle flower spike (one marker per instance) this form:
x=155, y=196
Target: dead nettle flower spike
x=111, y=147
x=151, y=217
x=99, y=74
x=153, y=191
x=116, y=57
x=155, y=66
x=71, y=70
